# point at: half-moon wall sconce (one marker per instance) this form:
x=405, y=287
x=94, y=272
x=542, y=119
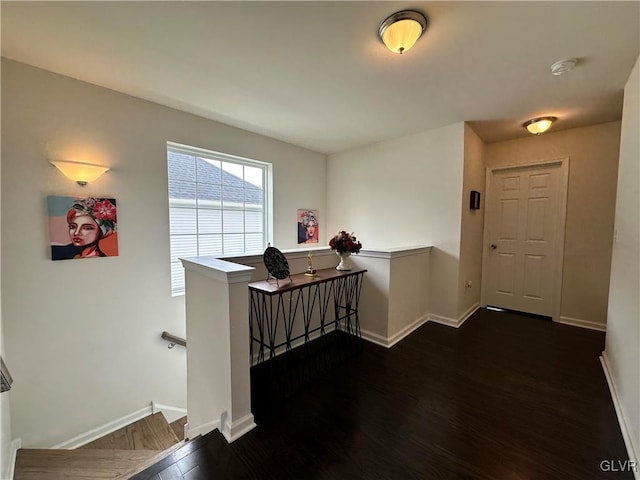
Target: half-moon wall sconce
x=80, y=172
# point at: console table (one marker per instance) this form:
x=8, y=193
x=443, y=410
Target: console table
x=274, y=307
x=299, y=328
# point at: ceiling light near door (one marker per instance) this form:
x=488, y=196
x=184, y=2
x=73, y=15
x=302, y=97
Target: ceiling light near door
x=400, y=31
x=539, y=125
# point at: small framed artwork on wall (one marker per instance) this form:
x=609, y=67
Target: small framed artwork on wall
x=82, y=227
x=308, y=226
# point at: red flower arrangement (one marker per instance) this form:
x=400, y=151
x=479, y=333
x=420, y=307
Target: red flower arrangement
x=345, y=242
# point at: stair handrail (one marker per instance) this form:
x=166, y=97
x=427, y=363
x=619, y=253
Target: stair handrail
x=173, y=339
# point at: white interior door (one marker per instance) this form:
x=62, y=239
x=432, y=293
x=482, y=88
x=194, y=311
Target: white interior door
x=524, y=233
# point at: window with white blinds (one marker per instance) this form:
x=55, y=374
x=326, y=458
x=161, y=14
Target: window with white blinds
x=218, y=205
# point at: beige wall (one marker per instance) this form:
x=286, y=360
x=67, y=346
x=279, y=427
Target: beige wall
x=5, y=425
x=408, y=292
x=83, y=337
x=374, y=306
x=593, y=166
x=406, y=191
x=5, y=409
x=472, y=223
x=622, y=351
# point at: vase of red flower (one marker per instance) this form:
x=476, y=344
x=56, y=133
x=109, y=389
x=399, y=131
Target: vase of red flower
x=344, y=264
x=345, y=244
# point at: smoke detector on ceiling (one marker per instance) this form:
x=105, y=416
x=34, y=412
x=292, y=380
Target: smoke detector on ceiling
x=563, y=66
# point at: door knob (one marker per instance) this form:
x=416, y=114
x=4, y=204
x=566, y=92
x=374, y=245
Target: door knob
x=493, y=246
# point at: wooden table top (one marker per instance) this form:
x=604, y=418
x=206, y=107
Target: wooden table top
x=300, y=280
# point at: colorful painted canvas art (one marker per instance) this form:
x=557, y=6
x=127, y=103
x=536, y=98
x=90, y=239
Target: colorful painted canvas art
x=82, y=227
x=308, y=228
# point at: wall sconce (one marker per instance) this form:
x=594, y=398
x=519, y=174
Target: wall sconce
x=540, y=125
x=400, y=31
x=79, y=172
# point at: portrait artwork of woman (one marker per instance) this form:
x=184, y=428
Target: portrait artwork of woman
x=307, y=226
x=90, y=227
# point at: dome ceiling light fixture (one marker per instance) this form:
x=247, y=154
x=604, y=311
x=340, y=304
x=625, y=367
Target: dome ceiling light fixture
x=400, y=31
x=538, y=126
x=563, y=66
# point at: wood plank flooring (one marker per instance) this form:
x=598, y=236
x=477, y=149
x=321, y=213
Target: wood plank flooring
x=178, y=427
x=118, y=455
x=58, y=464
x=149, y=433
x=503, y=397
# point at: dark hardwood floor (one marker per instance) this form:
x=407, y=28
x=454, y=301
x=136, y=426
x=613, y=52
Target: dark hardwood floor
x=503, y=397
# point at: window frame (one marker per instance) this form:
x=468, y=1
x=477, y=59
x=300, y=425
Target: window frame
x=267, y=210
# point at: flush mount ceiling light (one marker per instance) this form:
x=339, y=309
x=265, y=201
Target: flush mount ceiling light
x=563, y=66
x=539, y=125
x=79, y=172
x=400, y=31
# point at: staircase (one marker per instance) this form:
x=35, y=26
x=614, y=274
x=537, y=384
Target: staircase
x=118, y=455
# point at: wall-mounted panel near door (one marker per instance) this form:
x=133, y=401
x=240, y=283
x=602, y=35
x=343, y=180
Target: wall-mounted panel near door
x=524, y=237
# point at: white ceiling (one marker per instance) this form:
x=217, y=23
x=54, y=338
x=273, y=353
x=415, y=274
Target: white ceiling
x=314, y=74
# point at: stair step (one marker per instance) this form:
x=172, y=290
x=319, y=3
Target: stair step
x=178, y=427
x=58, y=464
x=158, y=458
x=150, y=433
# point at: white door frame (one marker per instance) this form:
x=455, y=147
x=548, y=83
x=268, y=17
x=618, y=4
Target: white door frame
x=559, y=251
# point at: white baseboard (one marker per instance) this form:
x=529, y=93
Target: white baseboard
x=105, y=429
x=170, y=413
x=375, y=338
x=192, y=432
x=234, y=430
x=13, y=453
x=576, y=322
x=406, y=331
x=449, y=322
x=463, y=318
x=231, y=430
x=452, y=322
x=628, y=441
x=389, y=342
x=110, y=427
